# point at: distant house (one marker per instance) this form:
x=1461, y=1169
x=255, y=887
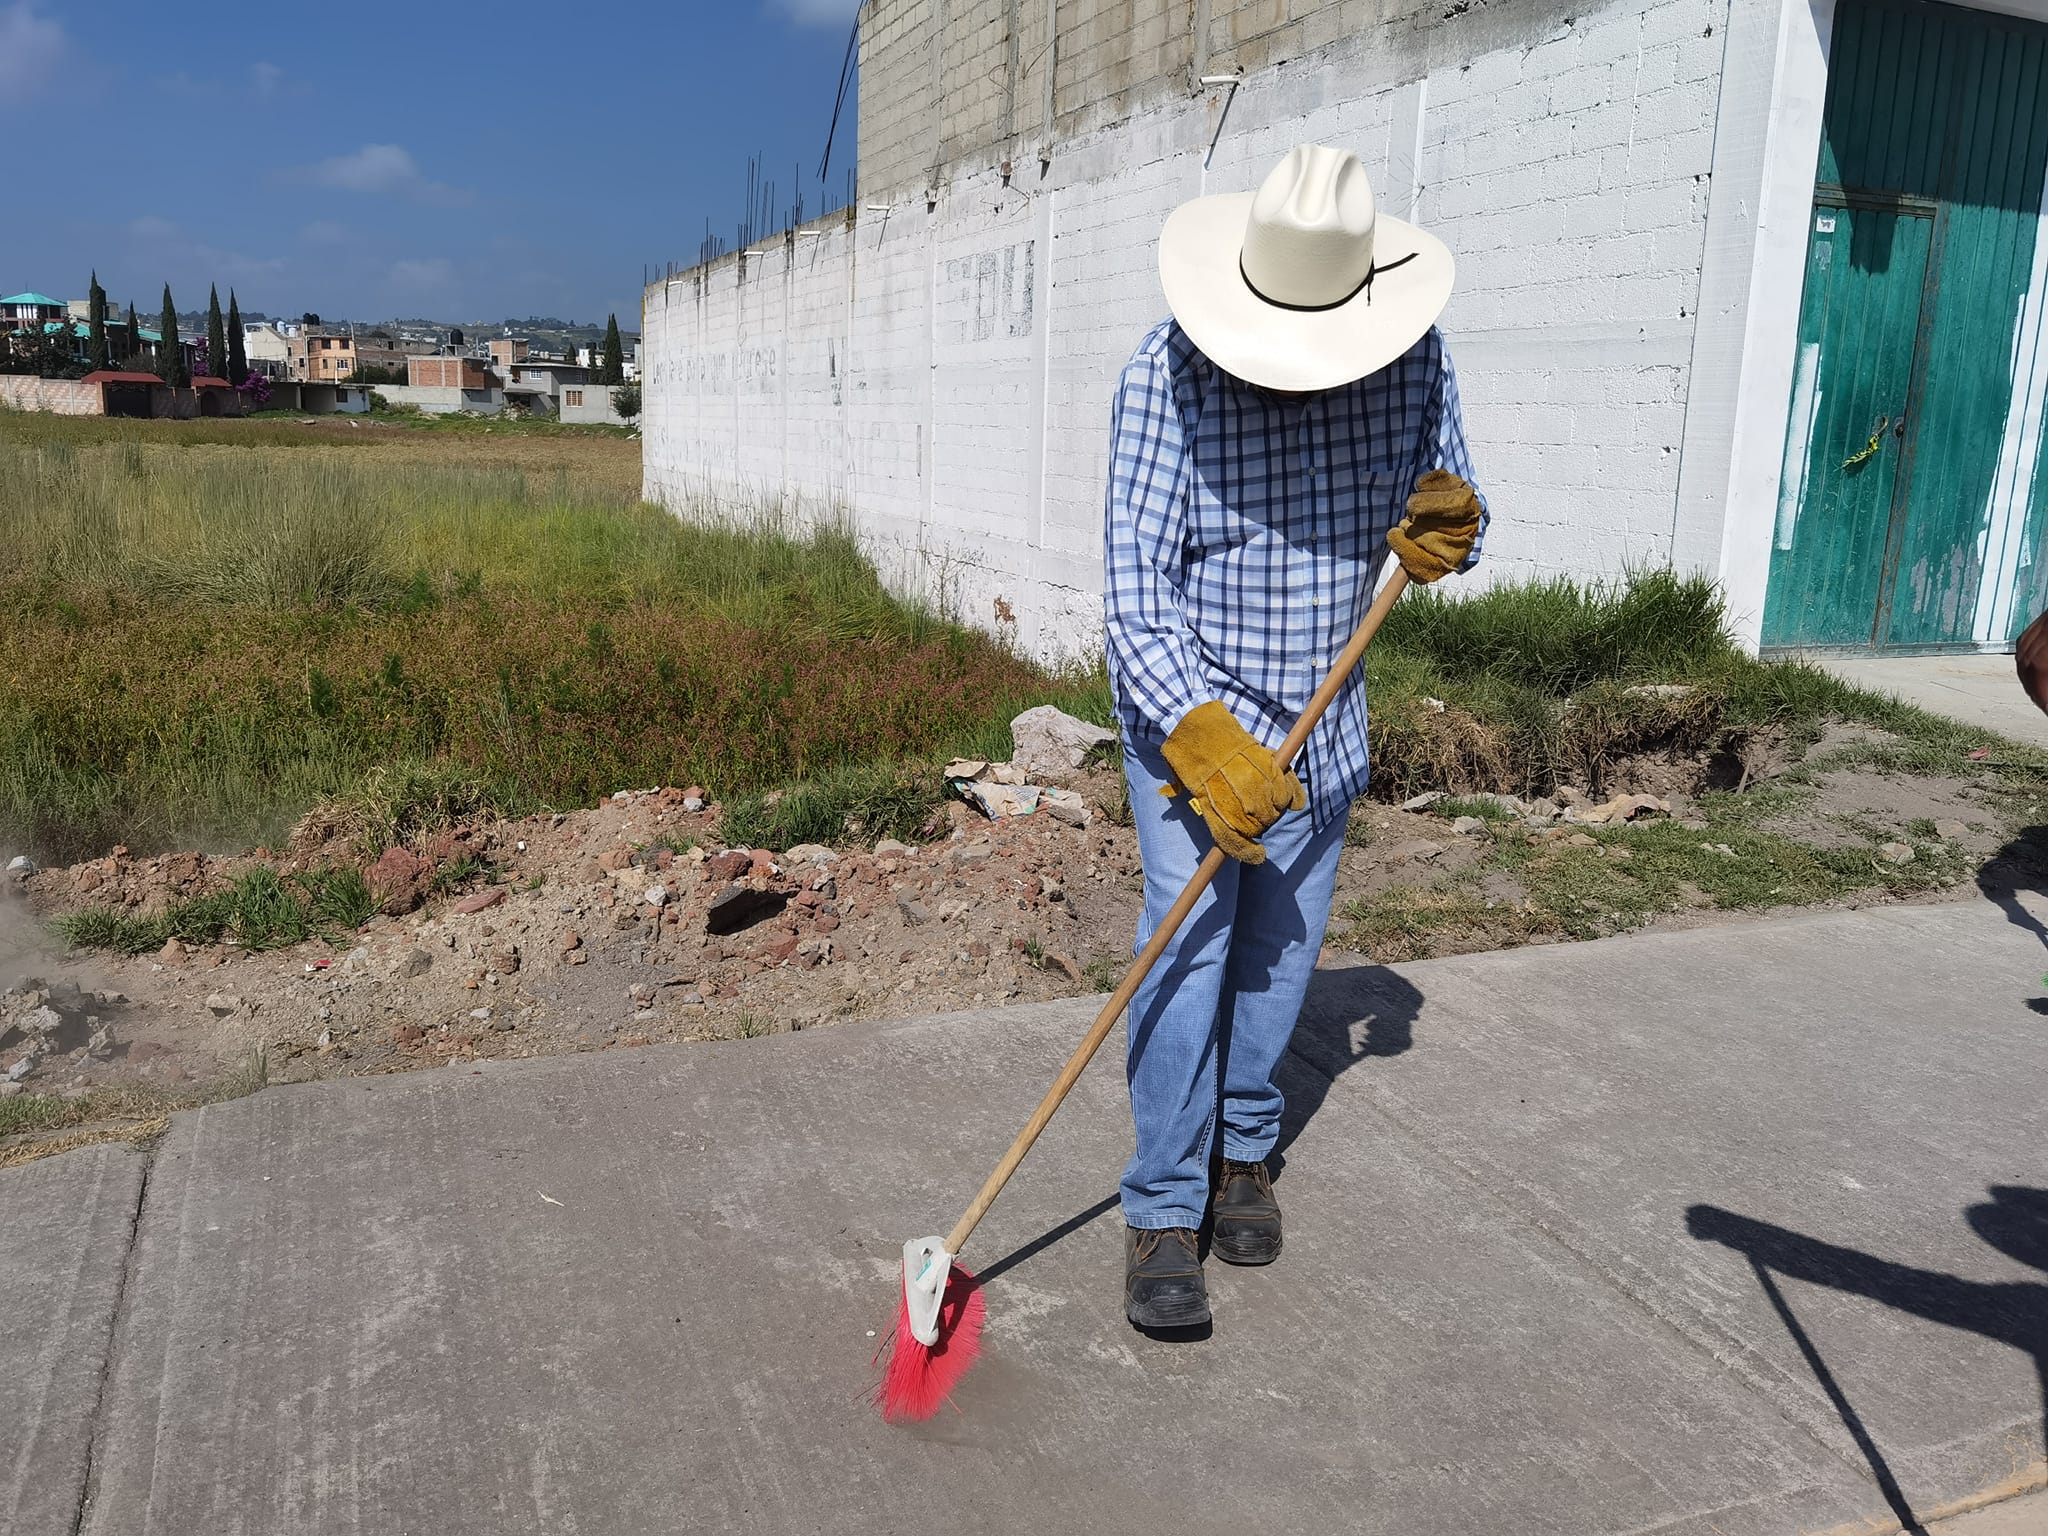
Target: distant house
x=23, y=310
x=444, y=385
x=267, y=349
x=590, y=405
x=536, y=384
x=319, y=355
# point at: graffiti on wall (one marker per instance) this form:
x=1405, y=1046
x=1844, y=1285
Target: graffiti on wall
x=989, y=294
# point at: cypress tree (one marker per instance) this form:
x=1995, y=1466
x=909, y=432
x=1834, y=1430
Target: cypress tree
x=134, y=334
x=238, y=351
x=96, y=324
x=216, y=334
x=170, y=357
x=613, y=368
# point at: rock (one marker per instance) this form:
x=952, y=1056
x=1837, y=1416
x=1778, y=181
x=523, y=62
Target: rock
x=691, y=1000
x=411, y=963
x=9, y=1088
x=1951, y=831
x=972, y=853
x=826, y=922
x=501, y=1022
x=728, y=865
x=1051, y=889
x=172, y=952
x=1067, y=964
x=20, y=867
x=1423, y=801
x=505, y=959
x=693, y=803
x=1896, y=853
x=479, y=1013
x=613, y=859
x=1582, y=840
x=657, y=895
x=1621, y=808
x=221, y=1004
x=913, y=911
x=889, y=848
x=45, y=1021
x=1664, y=690
x=1049, y=741
x=571, y=941
x=399, y=880
x=1469, y=826
x=479, y=900
x=811, y=853
x=781, y=949
x=1064, y=805
x=742, y=906
x=25, y=1065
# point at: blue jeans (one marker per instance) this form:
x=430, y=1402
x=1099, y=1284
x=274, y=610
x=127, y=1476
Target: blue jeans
x=1209, y=1025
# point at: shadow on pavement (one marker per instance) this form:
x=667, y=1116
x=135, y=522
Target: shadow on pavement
x=2014, y=1221
x=1352, y=1015
x=2020, y=866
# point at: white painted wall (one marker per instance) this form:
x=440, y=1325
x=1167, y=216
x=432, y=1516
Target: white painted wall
x=943, y=376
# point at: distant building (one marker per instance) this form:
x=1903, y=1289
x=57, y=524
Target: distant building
x=268, y=349
x=507, y=350
x=25, y=309
x=444, y=385
x=590, y=404
x=321, y=356
x=536, y=384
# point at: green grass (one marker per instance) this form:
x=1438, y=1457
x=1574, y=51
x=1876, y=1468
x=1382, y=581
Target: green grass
x=861, y=802
x=1633, y=873
x=260, y=910
x=202, y=639
x=1544, y=683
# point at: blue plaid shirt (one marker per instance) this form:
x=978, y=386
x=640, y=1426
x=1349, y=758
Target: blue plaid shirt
x=1245, y=529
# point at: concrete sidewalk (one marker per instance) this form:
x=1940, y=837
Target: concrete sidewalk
x=1978, y=690
x=1740, y=1230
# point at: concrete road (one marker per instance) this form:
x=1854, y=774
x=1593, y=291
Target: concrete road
x=1740, y=1230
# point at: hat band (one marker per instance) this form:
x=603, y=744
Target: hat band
x=1364, y=286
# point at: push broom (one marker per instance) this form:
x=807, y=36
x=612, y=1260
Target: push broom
x=938, y=1324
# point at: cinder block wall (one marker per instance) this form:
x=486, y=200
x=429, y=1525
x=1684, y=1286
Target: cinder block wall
x=60, y=397
x=936, y=363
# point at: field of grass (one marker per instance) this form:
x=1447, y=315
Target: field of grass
x=205, y=632
x=207, y=628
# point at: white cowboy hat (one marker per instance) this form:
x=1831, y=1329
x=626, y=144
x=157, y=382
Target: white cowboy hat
x=1302, y=285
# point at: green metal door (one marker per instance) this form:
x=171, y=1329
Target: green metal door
x=1858, y=324
x=1925, y=287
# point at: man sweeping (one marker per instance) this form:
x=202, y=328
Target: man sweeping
x=1266, y=442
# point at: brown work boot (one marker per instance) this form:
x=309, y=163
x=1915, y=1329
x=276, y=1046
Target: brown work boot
x=1247, y=1229
x=1163, y=1286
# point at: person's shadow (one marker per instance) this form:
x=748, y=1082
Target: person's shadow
x=2014, y=1221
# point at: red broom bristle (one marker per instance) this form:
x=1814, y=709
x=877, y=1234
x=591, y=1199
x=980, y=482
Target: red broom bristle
x=919, y=1378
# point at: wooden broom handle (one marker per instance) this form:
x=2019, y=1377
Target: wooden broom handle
x=1211, y=865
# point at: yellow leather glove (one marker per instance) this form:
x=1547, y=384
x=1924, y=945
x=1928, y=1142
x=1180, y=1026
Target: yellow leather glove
x=1436, y=535
x=1234, y=781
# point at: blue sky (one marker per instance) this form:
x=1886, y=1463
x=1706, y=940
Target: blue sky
x=372, y=159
